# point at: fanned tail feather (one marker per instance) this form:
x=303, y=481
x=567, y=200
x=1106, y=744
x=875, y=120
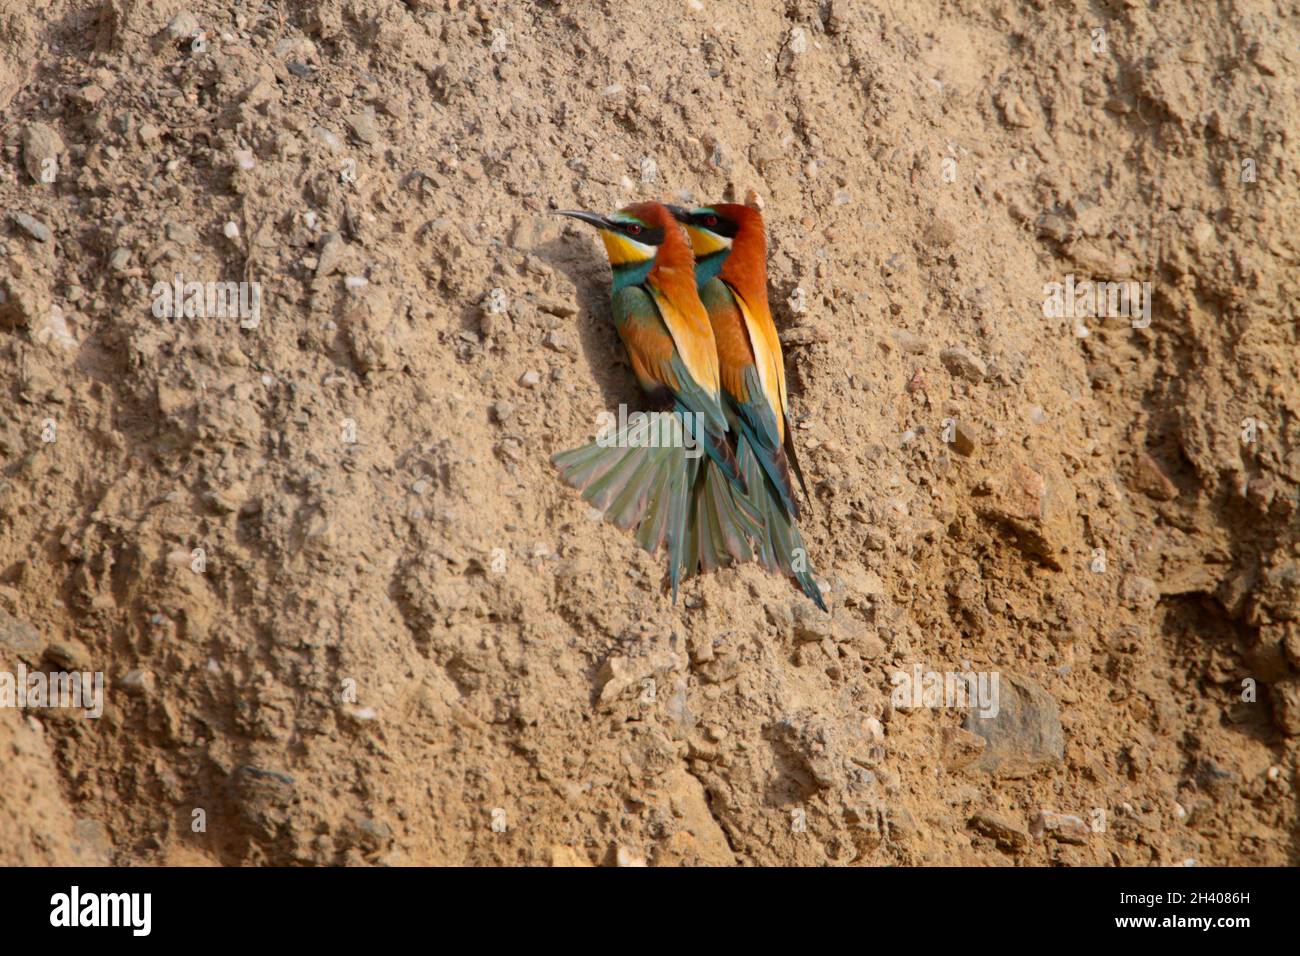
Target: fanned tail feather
x=624, y=474
x=620, y=481
x=774, y=461
x=732, y=521
x=780, y=546
x=722, y=526
x=640, y=477
x=717, y=447
x=793, y=459
x=679, y=531
x=653, y=530
x=688, y=503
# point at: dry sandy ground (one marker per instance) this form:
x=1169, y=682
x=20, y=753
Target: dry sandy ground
x=344, y=609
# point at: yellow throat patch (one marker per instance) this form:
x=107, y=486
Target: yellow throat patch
x=705, y=243
x=624, y=251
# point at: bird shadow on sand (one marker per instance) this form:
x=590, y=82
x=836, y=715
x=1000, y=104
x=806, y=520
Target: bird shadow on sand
x=584, y=264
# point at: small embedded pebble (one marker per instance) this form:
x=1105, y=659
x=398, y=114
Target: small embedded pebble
x=495, y=302
x=41, y=149
x=68, y=656
x=20, y=637
x=1007, y=833
x=183, y=26
x=90, y=96
x=331, y=253
x=301, y=46
x=910, y=342
x=626, y=857
x=875, y=730
x=963, y=439
x=1054, y=227
x=55, y=329
x=329, y=138
x=962, y=363
x=181, y=233
x=363, y=127
x=32, y=226
x=137, y=682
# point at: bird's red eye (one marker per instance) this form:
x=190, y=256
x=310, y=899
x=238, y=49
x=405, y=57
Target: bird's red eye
x=710, y=220
x=634, y=229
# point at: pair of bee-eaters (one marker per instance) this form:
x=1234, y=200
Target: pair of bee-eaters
x=689, y=301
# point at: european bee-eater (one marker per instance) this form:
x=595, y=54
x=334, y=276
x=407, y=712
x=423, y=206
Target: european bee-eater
x=669, y=338
x=731, y=271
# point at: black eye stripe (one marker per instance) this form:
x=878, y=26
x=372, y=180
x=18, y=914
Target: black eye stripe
x=723, y=227
x=643, y=234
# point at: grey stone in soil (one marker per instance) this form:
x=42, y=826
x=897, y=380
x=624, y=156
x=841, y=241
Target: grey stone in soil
x=330, y=255
x=68, y=656
x=1024, y=735
x=264, y=797
x=362, y=127
x=20, y=638
x=92, y=843
x=1007, y=834
x=1063, y=827
x=41, y=149
x=32, y=226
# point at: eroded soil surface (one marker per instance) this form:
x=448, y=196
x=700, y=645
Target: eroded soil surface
x=345, y=611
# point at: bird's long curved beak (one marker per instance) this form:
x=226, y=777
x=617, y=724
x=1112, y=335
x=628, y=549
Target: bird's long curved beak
x=591, y=218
